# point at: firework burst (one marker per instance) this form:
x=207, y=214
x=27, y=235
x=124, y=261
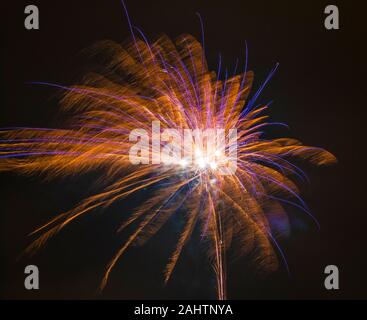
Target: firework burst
x=169, y=83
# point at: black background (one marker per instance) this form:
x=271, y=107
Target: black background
x=318, y=91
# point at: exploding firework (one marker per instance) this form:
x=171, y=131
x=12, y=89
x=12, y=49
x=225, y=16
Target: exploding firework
x=168, y=83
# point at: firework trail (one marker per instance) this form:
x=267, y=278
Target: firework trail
x=169, y=82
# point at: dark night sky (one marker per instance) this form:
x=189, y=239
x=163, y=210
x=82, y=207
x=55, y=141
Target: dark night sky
x=317, y=91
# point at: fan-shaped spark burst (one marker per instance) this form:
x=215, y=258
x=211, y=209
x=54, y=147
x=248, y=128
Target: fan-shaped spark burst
x=168, y=82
